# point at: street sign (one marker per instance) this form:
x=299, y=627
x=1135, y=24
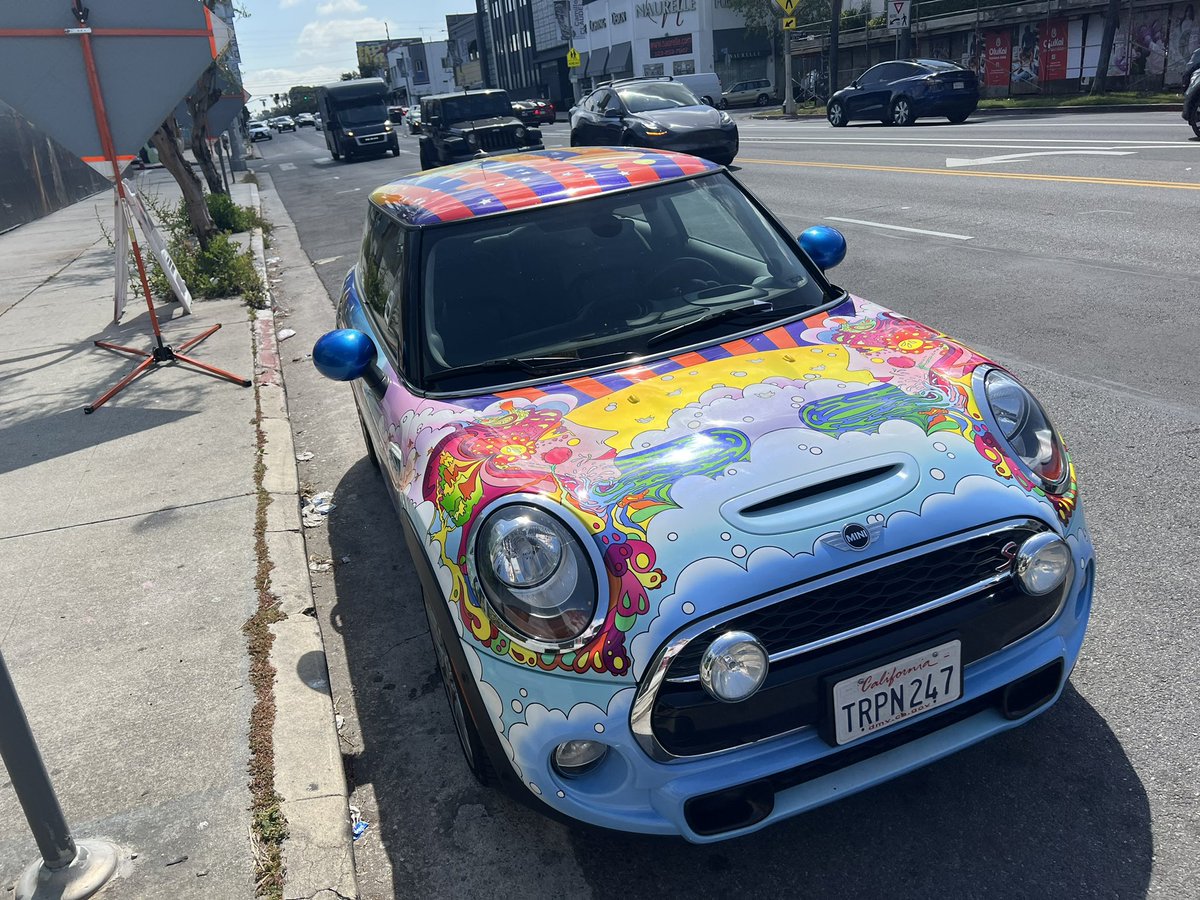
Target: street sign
x=148, y=54
x=898, y=14
x=788, y=24
x=788, y=6
x=572, y=58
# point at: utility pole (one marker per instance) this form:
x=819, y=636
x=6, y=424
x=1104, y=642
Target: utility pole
x=789, y=97
x=835, y=36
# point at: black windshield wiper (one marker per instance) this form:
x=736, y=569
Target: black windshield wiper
x=531, y=365
x=748, y=313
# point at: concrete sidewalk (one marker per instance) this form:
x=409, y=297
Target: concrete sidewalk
x=128, y=568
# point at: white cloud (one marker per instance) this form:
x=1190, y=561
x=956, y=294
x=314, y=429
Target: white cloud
x=330, y=7
x=262, y=83
x=318, y=39
x=288, y=4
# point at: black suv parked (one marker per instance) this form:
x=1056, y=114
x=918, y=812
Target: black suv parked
x=473, y=124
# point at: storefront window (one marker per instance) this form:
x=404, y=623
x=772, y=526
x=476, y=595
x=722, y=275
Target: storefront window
x=683, y=67
x=652, y=70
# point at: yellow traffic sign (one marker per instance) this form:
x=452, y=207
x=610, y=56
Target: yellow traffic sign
x=572, y=58
x=788, y=24
x=788, y=6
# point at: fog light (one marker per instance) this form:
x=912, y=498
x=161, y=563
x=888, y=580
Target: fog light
x=573, y=758
x=734, y=666
x=1043, y=563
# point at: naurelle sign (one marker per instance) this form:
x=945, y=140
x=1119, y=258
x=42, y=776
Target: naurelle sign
x=664, y=9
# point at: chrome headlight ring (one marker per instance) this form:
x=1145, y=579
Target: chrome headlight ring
x=590, y=573
x=1028, y=424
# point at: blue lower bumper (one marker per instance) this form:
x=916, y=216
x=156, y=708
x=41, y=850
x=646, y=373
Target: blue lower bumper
x=631, y=792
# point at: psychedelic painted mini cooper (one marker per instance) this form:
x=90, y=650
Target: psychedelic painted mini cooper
x=704, y=540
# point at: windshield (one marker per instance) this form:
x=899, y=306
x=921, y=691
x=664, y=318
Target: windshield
x=361, y=112
x=571, y=286
x=657, y=95
x=475, y=106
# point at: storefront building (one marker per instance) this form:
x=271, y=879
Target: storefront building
x=633, y=38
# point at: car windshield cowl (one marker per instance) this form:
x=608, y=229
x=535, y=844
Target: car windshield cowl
x=532, y=365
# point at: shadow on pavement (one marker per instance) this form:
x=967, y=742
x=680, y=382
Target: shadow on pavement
x=1051, y=809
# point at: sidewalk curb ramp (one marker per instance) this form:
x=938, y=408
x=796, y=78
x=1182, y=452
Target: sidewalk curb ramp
x=318, y=854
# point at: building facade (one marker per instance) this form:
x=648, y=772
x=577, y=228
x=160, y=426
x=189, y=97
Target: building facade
x=463, y=35
x=507, y=27
x=417, y=68
x=631, y=38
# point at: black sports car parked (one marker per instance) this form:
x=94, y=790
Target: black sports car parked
x=654, y=112
x=903, y=90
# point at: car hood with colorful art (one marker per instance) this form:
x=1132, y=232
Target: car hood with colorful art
x=746, y=458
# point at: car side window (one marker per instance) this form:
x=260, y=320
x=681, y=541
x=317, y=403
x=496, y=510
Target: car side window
x=874, y=76
x=381, y=265
x=607, y=99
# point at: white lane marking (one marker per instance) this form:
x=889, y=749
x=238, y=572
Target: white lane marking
x=351, y=191
x=326, y=260
x=944, y=234
x=882, y=140
x=952, y=163
x=286, y=167
x=989, y=145
x=265, y=166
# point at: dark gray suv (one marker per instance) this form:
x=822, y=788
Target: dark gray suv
x=473, y=124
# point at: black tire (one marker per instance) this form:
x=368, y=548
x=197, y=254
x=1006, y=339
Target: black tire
x=762, y=100
x=959, y=117
x=335, y=155
x=900, y=113
x=427, y=159
x=573, y=143
x=724, y=104
x=371, y=455
x=1194, y=119
x=474, y=754
x=836, y=114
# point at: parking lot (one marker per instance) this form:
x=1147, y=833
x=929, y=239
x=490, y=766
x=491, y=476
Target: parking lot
x=1064, y=247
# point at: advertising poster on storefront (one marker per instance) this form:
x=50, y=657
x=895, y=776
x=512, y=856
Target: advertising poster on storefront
x=1183, y=39
x=998, y=45
x=1026, y=64
x=1148, y=47
x=1053, y=55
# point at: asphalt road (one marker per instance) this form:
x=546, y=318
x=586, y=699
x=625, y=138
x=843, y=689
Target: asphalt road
x=1063, y=246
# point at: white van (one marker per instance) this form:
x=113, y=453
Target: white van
x=705, y=85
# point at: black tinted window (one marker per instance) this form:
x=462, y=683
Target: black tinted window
x=381, y=280
x=475, y=106
x=657, y=95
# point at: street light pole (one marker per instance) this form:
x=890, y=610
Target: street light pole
x=66, y=870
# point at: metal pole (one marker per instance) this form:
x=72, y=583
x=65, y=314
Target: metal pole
x=30, y=780
x=789, y=98
x=64, y=870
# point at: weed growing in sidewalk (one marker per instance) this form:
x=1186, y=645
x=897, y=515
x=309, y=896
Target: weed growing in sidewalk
x=268, y=826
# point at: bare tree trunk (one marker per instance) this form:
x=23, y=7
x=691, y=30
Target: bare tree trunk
x=199, y=103
x=835, y=37
x=166, y=142
x=1100, y=82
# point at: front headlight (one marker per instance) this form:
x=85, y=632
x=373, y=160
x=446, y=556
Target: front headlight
x=349, y=134
x=1023, y=425
x=535, y=574
x=472, y=138
x=519, y=131
x=387, y=126
x=725, y=118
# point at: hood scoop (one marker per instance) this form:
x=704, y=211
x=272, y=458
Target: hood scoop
x=824, y=496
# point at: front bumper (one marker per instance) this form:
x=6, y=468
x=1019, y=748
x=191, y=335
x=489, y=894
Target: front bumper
x=780, y=777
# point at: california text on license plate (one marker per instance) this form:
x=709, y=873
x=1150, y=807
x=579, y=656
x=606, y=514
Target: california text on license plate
x=870, y=701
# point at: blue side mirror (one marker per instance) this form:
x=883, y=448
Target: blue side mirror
x=344, y=355
x=825, y=246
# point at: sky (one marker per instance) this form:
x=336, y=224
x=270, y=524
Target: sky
x=289, y=42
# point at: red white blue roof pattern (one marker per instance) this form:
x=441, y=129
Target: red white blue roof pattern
x=519, y=181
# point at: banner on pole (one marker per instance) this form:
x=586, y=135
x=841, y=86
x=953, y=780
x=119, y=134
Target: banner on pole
x=158, y=246
x=121, y=237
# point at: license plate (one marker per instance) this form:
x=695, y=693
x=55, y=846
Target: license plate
x=873, y=700
x=376, y=137
x=959, y=85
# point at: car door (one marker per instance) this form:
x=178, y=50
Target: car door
x=581, y=119
x=867, y=101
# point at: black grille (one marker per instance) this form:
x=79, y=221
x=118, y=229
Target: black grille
x=497, y=139
x=862, y=599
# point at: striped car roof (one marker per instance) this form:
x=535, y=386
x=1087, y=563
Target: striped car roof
x=519, y=181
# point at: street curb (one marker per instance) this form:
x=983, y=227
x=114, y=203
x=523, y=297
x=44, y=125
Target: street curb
x=1024, y=111
x=318, y=853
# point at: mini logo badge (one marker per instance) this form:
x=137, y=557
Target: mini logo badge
x=856, y=536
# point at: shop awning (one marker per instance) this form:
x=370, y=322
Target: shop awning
x=595, y=63
x=580, y=70
x=619, y=59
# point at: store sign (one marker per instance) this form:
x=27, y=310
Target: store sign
x=673, y=45
x=998, y=45
x=620, y=18
x=664, y=10
x=597, y=24
x=1054, y=50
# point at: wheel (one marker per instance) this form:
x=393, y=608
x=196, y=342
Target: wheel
x=724, y=104
x=686, y=273
x=1194, y=119
x=836, y=114
x=573, y=142
x=901, y=113
x=427, y=158
x=371, y=455
x=468, y=738
x=959, y=117
x=335, y=154
x=762, y=100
